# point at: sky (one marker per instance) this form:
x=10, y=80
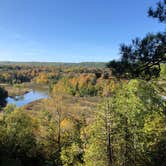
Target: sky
x=71, y=30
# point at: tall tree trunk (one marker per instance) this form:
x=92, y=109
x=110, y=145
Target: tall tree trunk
x=126, y=148
x=59, y=136
x=108, y=130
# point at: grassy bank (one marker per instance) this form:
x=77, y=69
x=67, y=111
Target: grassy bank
x=76, y=107
x=15, y=90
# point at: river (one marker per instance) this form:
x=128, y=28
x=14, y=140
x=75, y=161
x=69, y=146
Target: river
x=27, y=98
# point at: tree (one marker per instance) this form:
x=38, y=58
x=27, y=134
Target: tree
x=159, y=12
x=143, y=57
x=71, y=155
x=17, y=138
x=3, y=96
x=96, y=142
x=64, y=131
x=158, y=152
x=124, y=133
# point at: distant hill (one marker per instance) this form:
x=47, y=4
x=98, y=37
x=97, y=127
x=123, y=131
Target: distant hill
x=81, y=64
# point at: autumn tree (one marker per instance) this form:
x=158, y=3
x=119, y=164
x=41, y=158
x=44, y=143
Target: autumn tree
x=17, y=138
x=122, y=133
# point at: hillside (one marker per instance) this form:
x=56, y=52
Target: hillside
x=81, y=64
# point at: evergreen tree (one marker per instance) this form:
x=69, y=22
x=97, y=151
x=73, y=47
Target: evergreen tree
x=122, y=134
x=143, y=57
x=159, y=12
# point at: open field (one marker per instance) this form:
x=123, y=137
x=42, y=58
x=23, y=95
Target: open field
x=74, y=106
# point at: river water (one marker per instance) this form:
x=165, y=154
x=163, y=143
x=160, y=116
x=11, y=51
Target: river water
x=27, y=98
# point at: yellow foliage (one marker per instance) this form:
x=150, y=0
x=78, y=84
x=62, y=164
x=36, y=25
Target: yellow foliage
x=67, y=124
x=42, y=78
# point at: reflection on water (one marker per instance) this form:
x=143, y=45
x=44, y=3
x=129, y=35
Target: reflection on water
x=27, y=98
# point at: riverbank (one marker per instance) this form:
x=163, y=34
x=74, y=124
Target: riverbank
x=15, y=90
x=22, y=89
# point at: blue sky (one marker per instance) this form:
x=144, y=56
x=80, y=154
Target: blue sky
x=71, y=30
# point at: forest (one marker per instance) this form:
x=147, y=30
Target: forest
x=95, y=114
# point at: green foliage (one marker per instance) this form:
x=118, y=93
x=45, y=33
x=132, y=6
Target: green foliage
x=125, y=130
x=159, y=12
x=143, y=58
x=17, y=138
x=83, y=85
x=72, y=155
x=95, y=140
x=138, y=59
x=163, y=72
x=127, y=127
